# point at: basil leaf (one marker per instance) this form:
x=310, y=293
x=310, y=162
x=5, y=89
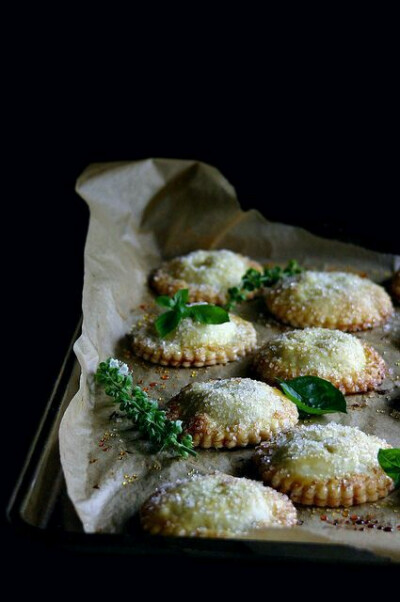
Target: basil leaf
x=208, y=314
x=389, y=459
x=167, y=322
x=314, y=395
x=181, y=297
x=164, y=301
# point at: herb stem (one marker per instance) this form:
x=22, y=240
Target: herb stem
x=150, y=420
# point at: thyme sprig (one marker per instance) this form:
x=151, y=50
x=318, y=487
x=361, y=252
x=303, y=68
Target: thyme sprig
x=254, y=280
x=144, y=412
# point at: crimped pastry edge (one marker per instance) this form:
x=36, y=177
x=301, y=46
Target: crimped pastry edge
x=164, y=284
x=210, y=355
x=286, y=516
x=281, y=309
x=334, y=492
x=205, y=436
x=368, y=380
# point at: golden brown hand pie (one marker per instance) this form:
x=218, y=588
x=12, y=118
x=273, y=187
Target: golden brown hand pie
x=325, y=465
x=396, y=285
x=216, y=505
x=349, y=364
x=195, y=344
x=232, y=412
x=330, y=300
x=207, y=274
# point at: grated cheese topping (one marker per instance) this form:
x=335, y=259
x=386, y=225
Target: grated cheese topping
x=193, y=334
x=326, y=451
x=316, y=351
x=220, y=503
x=234, y=402
x=331, y=296
x=219, y=269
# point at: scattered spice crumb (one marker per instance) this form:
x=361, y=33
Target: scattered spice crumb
x=129, y=479
x=358, y=523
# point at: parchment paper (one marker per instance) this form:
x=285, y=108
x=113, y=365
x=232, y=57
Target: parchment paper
x=150, y=210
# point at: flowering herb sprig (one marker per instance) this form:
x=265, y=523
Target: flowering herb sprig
x=144, y=412
x=254, y=280
x=179, y=308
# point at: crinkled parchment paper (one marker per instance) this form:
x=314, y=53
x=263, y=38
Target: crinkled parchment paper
x=149, y=210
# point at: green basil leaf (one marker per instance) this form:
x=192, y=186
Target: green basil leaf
x=208, y=314
x=165, y=301
x=313, y=395
x=389, y=459
x=167, y=322
x=181, y=297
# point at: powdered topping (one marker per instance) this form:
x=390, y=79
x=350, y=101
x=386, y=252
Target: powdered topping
x=326, y=451
x=193, y=334
x=219, y=269
x=235, y=402
x=217, y=504
x=331, y=299
x=316, y=351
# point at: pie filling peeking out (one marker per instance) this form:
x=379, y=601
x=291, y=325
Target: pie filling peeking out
x=195, y=344
x=216, y=505
x=207, y=274
x=348, y=363
x=232, y=412
x=325, y=465
x=329, y=299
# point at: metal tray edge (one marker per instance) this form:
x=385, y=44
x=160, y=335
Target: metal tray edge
x=248, y=550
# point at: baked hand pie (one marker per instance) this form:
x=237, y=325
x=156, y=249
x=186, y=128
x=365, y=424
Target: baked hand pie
x=207, y=274
x=329, y=299
x=232, y=412
x=396, y=285
x=325, y=465
x=348, y=363
x=195, y=344
x=216, y=505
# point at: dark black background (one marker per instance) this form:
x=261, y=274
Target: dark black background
x=313, y=144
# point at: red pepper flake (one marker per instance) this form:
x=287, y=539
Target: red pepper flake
x=142, y=306
x=398, y=527
x=164, y=377
x=145, y=389
x=101, y=443
x=354, y=517
x=323, y=517
x=152, y=384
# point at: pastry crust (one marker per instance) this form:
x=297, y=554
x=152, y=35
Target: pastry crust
x=232, y=412
x=396, y=286
x=329, y=299
x=348, y=363
x=207, y=274
x=216, y=505
x=325, y=465
x=194, y=344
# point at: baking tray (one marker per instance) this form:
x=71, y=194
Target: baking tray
x=40, y=508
